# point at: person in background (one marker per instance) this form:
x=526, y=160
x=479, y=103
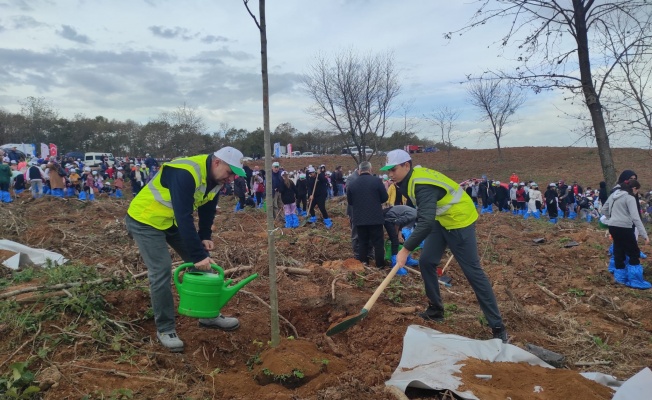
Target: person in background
x=396, y=218
x=366, y=196
x=240, y=191
x=277, y=181
x=289, y=197
x=552, y=201
x=5, y=180
x=302, y=194
x=317, y=184
x=621, y=214
x=536, y=199
x=36, y=178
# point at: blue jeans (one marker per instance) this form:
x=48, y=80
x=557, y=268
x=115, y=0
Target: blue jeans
x=340, y=189
x=36, y=187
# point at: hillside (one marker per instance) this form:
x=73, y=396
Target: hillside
x=540, y=164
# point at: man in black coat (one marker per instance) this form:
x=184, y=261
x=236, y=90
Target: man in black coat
x=366, y=196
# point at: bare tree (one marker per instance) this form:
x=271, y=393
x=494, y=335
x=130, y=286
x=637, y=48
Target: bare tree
x=498, y=101
x=539, y=30
x=626, y=87
x=444, y=119
x=354, y=95
x=273, y=292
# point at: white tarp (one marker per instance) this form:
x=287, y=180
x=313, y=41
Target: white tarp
x=429, y=362
x=25, y=255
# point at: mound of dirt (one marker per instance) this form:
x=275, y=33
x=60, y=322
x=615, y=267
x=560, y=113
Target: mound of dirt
x=520, y=381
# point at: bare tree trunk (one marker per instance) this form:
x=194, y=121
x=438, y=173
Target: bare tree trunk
x=591, y=96
x=269, y=197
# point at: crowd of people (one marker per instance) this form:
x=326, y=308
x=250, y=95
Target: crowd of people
x=69, y=177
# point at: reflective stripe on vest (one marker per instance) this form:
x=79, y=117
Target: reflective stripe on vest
x=197, y=169
x=456, y=209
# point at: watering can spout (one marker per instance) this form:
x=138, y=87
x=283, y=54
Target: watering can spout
x=235, y=288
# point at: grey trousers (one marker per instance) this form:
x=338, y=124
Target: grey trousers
x=463, y=244
x=153, y=246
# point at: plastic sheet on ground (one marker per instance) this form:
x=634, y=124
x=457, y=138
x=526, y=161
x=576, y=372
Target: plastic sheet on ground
x=26, y=255
x=429, y=362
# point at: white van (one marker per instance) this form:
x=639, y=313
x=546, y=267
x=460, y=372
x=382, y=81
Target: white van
x=296, y=154
x=95, y=159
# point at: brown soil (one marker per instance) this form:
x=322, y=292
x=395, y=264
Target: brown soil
x=5, y=254
x=520, y=381
x=589, y=319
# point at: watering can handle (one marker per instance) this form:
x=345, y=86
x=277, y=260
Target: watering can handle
x=183, y=266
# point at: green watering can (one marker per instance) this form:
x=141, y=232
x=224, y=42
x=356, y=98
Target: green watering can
x=203, y=294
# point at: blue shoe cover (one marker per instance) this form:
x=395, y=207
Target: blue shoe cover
x=553, y=220
x=635, y=278
x=526, y=215
x=642, y=255
x=288, y=221
x=82, y=195
x=328, y=223
x=536, y=214
x=620, y=276
x=118, y=194
x=515, y=212
x=312, y=220
x=91, y=197
x=611, y=249
x=401, y=272
x=406, y=233
x=411, y=262
x=612, y=265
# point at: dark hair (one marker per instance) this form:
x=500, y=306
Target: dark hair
x=630, y=184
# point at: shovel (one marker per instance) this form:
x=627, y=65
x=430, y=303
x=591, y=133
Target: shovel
x=354, y=319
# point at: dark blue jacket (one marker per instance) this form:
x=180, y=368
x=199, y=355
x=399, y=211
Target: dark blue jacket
x=366, y=196
x=277, y=181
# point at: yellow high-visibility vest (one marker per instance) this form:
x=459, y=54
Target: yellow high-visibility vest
x=153, y=206
x=456, y=209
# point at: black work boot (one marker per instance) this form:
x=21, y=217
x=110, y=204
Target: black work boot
x=432, y=314
x=500, y=333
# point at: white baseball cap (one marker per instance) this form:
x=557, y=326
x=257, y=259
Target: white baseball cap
x=311, y=170
x=396, y=157
x=233, y=157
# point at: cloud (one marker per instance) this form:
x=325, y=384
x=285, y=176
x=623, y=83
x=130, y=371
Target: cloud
x=172, y=33
x=216, y=56
x=68, y=32
x=209, y=39
x=20, y=4
x=2, y=28
x=25, y=22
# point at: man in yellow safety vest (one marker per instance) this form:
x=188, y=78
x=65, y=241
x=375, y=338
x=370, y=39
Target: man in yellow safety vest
x=446, y=216
x=162, y=214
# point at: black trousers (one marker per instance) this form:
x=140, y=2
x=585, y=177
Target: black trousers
x=624, y=245
x=390, y=227
x=321, y=203
x=552, y=210
x=301, y=202
x=373, y=234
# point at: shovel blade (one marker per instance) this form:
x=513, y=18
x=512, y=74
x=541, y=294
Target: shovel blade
x=346, y=323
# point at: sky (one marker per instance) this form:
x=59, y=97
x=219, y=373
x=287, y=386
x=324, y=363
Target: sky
x=135, y=59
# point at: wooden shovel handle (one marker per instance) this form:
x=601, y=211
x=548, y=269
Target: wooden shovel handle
x=313, y=191
x=382, y=287
x=443, y=271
